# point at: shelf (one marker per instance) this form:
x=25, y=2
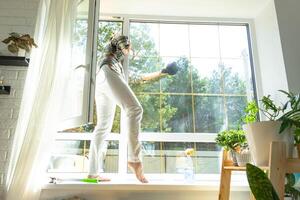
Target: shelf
x=14, y=61
x=237, y=168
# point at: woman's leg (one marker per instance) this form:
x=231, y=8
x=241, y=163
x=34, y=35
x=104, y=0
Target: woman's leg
x=105, y=114
x=121, y=93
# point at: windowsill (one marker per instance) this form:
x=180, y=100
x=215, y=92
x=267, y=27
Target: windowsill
x=238, y=183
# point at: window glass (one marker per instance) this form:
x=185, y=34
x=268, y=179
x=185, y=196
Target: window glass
x=169, y=157
x=73, y=156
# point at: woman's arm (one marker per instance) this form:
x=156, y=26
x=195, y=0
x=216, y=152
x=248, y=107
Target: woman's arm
x=153, y=76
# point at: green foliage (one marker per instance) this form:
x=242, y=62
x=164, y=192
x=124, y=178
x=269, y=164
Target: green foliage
x=261, y=187
x=297, y=136
x=289, y=187
x=292, y=117
x=269, y=109
x=251, y=111
x=231, y=139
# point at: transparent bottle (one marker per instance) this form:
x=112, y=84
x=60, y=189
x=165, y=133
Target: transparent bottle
x=188, y=172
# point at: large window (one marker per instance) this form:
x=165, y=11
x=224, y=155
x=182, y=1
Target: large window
x=207, y=95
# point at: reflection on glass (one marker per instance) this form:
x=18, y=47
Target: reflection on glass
x=174, y=40
x=151, y=108
x=182, y=120
x=209, y=114
x=235, y=110
x=204, y=41
x=72, y=156
x=168, y=157
x=207, y=77
x=234, y=76
x=233, y=41
x=144, y=39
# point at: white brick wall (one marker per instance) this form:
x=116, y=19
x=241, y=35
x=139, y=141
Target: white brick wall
x=15, y=16
x=9, y=110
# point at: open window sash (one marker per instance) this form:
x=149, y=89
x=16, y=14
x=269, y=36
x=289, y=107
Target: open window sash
x=79, y=90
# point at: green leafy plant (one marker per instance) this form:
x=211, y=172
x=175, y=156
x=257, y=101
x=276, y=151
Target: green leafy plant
x=292, y=117
x=261, y=187
x=297, y=136
x=251, y=111
x=288, y=113
x=231, y=139
x=269, y=109
x=16, y=41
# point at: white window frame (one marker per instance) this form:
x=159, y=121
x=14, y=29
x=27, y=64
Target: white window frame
x=165, y=137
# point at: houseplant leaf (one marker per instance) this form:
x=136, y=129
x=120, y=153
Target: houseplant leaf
x=260, y=185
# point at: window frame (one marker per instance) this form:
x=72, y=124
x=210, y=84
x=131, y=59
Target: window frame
x=158, y=137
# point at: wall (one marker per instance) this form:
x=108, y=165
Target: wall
x=289, y=27
x=270, y=69
x=15, y=16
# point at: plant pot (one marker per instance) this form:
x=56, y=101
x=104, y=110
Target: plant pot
x=243, y=158
x=232, y=156
x=260, y=135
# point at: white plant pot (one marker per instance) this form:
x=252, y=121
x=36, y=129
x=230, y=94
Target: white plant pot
x=260, y=135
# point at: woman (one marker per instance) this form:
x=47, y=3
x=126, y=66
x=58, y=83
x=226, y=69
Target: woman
x=111, y=90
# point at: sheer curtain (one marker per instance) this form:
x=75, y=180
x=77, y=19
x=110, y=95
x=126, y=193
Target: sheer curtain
x=42, y=99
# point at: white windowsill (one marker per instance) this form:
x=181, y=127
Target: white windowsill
x=238, y=183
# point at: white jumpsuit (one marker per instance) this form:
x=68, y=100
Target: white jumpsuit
x=112, y=90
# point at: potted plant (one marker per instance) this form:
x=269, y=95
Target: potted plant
x=234, y=142
x=17, y=42
x=260, y=134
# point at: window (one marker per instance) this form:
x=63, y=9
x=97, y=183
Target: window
x=207, y=95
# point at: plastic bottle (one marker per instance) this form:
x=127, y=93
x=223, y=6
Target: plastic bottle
x=188, y=172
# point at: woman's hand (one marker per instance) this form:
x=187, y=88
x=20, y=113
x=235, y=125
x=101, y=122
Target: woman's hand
x=170, y=69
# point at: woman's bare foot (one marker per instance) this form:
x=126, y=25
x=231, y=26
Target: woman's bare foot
x=137, y=168
x=99, y=178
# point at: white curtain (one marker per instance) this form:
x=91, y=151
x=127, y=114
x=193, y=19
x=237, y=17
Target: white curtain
x=42, y=99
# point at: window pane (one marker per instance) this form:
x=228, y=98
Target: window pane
x=151, y=116
x=144, y=39
x=233, y=41
x=182, y=120
x=140, y=66
x=207, y=76
x=235, y=110
x=204, y=41
x=209, y=114
x=168, y=157
x=235, y=71
x=174, y=40
x=72, y=156
x=181, y=82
